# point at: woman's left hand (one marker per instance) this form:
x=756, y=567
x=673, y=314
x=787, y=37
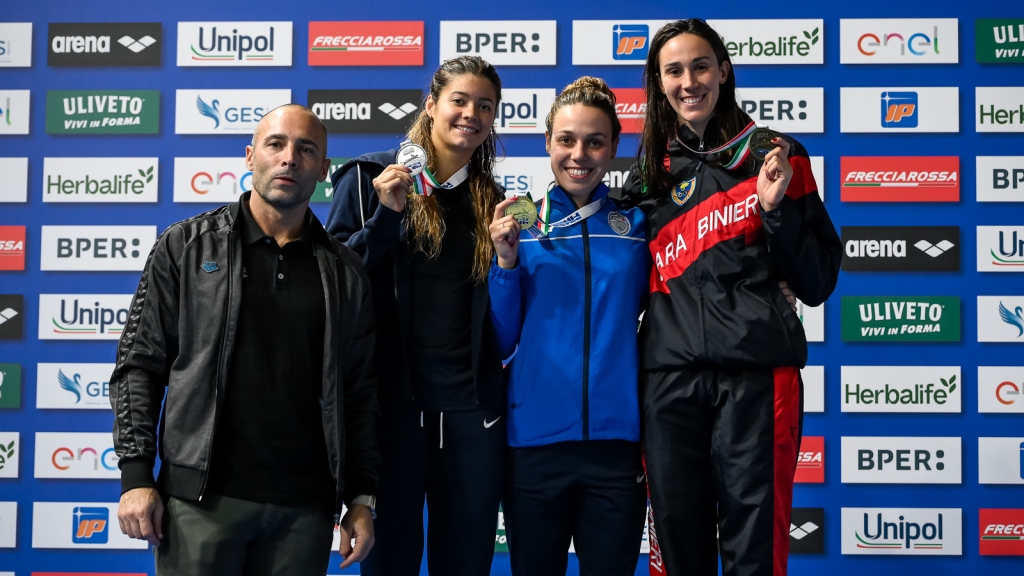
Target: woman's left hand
x=776, y=173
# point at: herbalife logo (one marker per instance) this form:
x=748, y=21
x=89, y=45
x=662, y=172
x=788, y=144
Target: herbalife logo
x=1015, y=318
x=6, y=454
x=934, y=250
x=397, y=112
x=136, y=45
x=812, y=36
x=799, y=532
x=6, y=314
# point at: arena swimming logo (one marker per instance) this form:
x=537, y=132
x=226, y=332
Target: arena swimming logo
x=82, y=316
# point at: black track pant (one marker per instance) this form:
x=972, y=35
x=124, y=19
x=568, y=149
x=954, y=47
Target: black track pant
x=591, y=492
x=453, y=459
x=720, y=447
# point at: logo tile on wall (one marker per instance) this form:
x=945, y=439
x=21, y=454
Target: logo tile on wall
x=102, y=112
x=234, y=44
x=501, y=42
x=120, y=44
x=366, y=43
x=15, y=44
x=14, y=112
x=999, y=40
x=899, y=110
x=10, y=385
x=899, y=41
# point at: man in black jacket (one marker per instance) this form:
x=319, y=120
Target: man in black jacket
x=259, y=325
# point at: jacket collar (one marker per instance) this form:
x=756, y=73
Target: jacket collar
x=237, y=222
x=562, y=204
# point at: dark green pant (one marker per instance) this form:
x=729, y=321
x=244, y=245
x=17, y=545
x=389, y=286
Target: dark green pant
x=221, y=536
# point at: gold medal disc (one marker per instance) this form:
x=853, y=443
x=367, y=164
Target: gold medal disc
x=524, y=211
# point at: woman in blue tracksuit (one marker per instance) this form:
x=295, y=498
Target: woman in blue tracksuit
x=570, y=292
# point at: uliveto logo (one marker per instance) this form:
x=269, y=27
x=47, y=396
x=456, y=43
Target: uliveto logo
x=73, y=385
x=90, y=248
x=102, y=112
x=810, y=463
x=75, y=455
x=120, y=44
x=789, y=110
x=82, y=316
x=900, y=460
x=1000, y=178
x=1001, y=460
x=100, y=179
x=1000, y=248
x=79, y=525
x=1002, y=531
x=1001, y=319
x=999, y=40
x=901, y=248
x=365, y=111
x=366, y=43
x=1000, y=109
x=1001, y=389
x=616, y=42
x=14, y=106
x=234, y=43
x=12, y=247
x=523, y=110
x=901, y=318
x=903, y=531
x=501, y=42
x=900, y=178
x=224, y=111
x=899, y=41
x=898, y=110
x=772, y=41
x=15, y=44
x=10, y=385
x=901, y=389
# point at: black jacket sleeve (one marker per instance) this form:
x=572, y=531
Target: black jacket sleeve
x=357, y=217
x=801, y=238
x=145, y=352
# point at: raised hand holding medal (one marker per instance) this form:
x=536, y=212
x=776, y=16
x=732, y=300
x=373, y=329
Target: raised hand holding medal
x=504, y=230
x=775, y=175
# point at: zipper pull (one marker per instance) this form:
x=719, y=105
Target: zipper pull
x=701, y=147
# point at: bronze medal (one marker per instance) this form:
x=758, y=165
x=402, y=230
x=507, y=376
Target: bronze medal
x=761, y=142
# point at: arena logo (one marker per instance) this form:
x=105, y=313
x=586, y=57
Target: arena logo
x=12, y=314
x=102, y=111
x=86, y=525
x=120, y=44
x=73, y=386
x=501, y=42
x=8, y=527
x=10, y=452
x=12, y=247
x=900, y=178
x=1001, y=389
x=10, y=385
x=75, y=455
x=1000, y=248
x=776, y=41
x=1001, y=319
x=902, y=531
x=1000, y=109
x=810, y=462
x=901, y=248
x=83, y=316
x=87, y=248
x=234, y=43
x=14, y=112
x=900, y=460
x=901, y=318
x=100, y=179
x=224, y=111
x=14, y=186
x=899, y=110
x=807, y=531
x=999, y=40
x=365, y=43
x=365, y=111
x=631, y=108
x=523, y=110
x=1001, y=531
x=789, y=110
x=1000, y=178
x=615, y=42
x=903, y=389
x=1001, y=461
x=15, y=44
x=899, y=41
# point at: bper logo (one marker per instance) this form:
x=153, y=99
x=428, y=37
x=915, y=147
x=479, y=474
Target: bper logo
x=96, y=247
x=630, y=41
x=900, y=460
x=899, y=109
x=89, y=525
x=501, y=42
x=1000, y=178
x=12, y=247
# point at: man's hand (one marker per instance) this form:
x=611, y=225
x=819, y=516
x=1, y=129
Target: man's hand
x=141, y=514
x=358, y=525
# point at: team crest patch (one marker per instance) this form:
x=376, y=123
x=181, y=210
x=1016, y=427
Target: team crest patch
x=682, y=192
x=619, y=223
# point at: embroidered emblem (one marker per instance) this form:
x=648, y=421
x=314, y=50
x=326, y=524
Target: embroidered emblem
x=210, y=267
x=682, y=192
x=619, y=223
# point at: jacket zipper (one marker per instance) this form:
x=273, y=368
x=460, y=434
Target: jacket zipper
x=586, y=331
x=220, y=375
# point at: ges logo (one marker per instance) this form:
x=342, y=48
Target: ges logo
x=90, y=525
x=899, y=109
x=630, y=41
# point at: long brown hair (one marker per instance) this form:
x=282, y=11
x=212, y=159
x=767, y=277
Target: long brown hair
x=589, y=91
x=662, y=121
x=425, y=223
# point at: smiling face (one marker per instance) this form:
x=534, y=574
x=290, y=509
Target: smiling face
x=463, y=114
x=690, y=77
x=581, y=147
x=288, y=156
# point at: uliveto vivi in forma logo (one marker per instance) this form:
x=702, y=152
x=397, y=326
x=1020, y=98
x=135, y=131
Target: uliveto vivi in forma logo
x=999, y=40
x=366, y=43
x=234, y=43
x=899, y=178
x=82, y=316
x=10, y=385
x=903, y=531
x=102, y=111
x=901, y=318
x=501, y=42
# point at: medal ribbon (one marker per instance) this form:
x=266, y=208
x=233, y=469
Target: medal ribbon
x=740, y=141
x=424, y=183
x=543, y=227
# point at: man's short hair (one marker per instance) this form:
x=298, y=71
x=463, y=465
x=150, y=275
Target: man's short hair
x=256, y=131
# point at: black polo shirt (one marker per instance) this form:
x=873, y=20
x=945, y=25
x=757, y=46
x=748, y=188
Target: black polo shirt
x=269, y=444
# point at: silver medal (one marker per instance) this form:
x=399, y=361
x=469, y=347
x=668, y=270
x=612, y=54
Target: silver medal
x=413, y=157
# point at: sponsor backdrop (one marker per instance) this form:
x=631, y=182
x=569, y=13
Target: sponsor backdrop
x=117, y=119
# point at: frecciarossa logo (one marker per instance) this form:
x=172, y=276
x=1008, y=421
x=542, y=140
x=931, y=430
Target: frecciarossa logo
x=721, y=217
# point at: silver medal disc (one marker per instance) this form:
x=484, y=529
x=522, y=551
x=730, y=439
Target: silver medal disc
x=413, y=157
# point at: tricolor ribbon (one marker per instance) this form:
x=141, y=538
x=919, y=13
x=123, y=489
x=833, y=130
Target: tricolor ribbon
x=424, y=183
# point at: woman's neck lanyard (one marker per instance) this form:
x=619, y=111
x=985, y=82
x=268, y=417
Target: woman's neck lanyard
x=424, y=183
x=543, y=226
x=741, y=142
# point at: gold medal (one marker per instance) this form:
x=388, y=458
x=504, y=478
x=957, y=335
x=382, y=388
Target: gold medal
x=524, y=211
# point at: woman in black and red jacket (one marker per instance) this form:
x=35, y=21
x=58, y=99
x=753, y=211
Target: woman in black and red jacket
x=721, y=347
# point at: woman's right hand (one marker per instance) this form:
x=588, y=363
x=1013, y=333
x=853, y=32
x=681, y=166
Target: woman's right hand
x=393, y=186
x=505, y=235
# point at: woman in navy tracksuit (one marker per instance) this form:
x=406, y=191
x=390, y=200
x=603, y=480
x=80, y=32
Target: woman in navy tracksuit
x=570, y=294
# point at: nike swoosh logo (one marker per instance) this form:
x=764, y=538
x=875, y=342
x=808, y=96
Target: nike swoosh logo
x=491, y=423
x=640, y=477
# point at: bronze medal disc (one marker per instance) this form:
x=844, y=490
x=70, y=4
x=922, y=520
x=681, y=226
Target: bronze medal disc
x=761, y=142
